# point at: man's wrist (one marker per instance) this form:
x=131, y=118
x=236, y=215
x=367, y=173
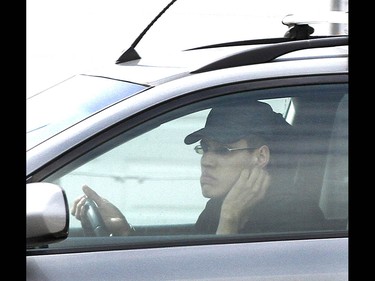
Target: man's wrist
x=227, y=226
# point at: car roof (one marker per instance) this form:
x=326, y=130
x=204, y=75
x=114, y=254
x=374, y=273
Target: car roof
x=156, y=70
x=163, y=67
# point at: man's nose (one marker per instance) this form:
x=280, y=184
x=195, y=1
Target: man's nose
x=208, y=159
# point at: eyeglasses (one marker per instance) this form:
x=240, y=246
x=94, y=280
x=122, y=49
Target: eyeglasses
x=220, y=150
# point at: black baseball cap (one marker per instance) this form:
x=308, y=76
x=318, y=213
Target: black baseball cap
x=230, y=123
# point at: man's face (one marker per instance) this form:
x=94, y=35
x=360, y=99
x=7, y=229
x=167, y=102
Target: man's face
x=221, y=170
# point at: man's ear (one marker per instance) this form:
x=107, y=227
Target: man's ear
x=263, y=155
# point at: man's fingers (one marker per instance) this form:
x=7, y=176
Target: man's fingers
x=252, y=183
x=242, y=179
x=256, y=183
x=90, y=193
x=77, y=206
x=262, y=183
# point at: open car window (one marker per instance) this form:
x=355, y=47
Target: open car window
x=153, y=177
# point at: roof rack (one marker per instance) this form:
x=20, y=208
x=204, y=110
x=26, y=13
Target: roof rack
x=270, y=52
x=299, y=29
x=261, y=41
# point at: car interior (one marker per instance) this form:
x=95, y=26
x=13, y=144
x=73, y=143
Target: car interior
x=322, y=172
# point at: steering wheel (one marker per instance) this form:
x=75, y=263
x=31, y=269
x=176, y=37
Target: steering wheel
x=92, y=222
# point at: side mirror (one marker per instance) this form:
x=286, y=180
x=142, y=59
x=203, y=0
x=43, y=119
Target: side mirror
x=47, y=214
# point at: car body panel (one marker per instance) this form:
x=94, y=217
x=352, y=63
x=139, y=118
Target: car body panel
x=313, y=260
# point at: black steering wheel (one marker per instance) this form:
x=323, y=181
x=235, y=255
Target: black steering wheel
x=92, y=222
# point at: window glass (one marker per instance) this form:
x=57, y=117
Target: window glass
x=152, y=173
x=154, y=177
x=46, y=111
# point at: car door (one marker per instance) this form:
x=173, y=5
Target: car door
x=143, y=167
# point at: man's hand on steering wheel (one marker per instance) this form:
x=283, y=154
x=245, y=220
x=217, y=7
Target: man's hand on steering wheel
x=115, y=222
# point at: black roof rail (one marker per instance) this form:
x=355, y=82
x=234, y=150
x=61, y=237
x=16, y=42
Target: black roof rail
x=270, y=52
x=253, y=42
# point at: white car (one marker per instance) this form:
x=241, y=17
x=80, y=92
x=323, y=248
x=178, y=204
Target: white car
x=121, y=131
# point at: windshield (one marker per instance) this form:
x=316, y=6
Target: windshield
x=193, y=23
x=71, y=101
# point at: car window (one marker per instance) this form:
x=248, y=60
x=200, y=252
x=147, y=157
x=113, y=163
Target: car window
x=153, y=177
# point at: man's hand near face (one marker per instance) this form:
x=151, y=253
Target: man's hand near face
x=249, y=189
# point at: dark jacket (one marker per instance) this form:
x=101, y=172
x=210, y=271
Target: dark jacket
x=273, y=214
